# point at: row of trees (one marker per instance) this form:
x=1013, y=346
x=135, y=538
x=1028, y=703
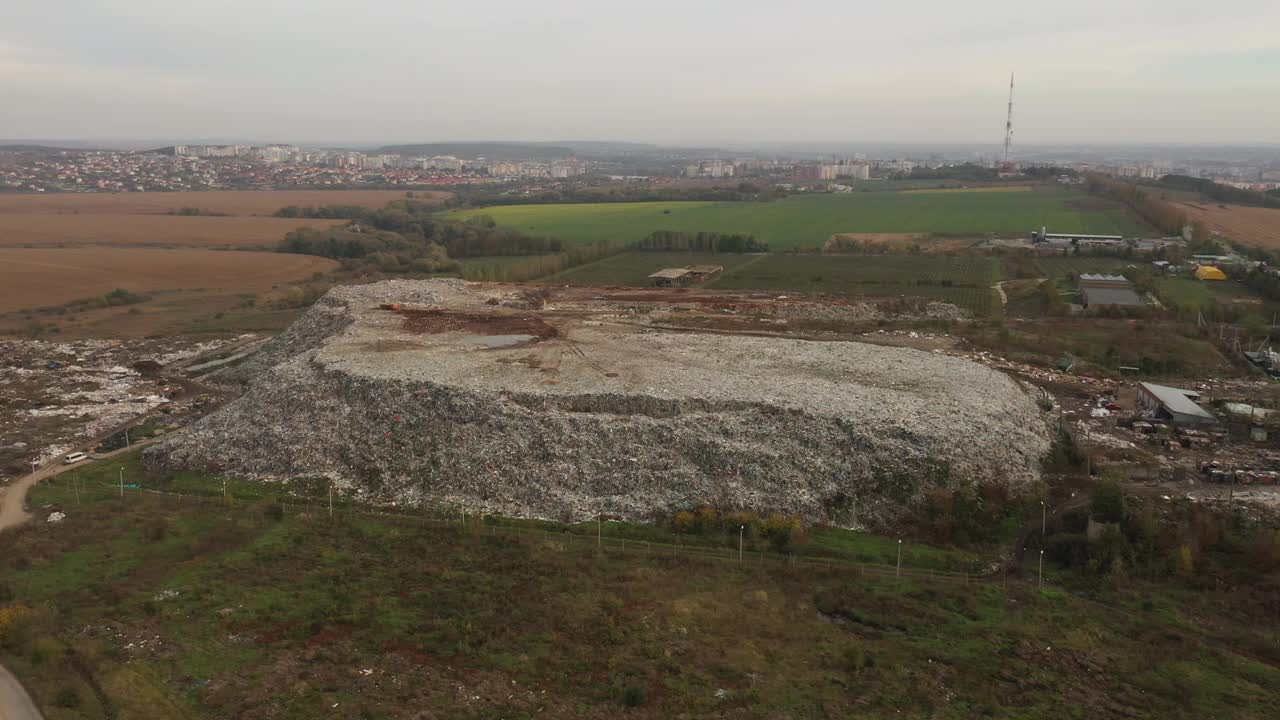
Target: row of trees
x=1161, y=213
x=712, y=242
x=1219, y=192
x=415, y=221
x=537, y=266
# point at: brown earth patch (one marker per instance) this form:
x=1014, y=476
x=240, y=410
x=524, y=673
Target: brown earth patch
x=43, y=277
x=231, y=202
x=120, y=230
x=1255, y=226
x=435, y=321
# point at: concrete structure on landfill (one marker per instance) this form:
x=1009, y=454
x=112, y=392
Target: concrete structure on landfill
x=1173, y=404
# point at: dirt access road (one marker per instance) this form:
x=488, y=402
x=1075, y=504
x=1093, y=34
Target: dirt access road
x=15, y=703
x=13, y=498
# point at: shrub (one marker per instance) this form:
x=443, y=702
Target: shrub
x=634, y=695
x=155, y=530
x=12, y=620
x=67, y=698
x=1108, y=501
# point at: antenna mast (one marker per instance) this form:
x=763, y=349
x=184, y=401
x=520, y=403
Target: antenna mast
x=1008, y=124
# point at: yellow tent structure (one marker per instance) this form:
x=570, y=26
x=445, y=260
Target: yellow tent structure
x=1209, y=272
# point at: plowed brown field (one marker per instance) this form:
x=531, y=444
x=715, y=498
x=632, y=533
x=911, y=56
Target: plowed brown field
x=42, y=277
x=1255, y=226
x=142, y=219
x=231, y=202
x=22, y=229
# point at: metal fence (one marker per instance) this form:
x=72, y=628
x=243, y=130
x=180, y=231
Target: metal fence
x=561, y=539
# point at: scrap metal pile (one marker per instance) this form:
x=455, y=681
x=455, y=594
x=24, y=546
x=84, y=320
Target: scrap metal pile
x=446, y=393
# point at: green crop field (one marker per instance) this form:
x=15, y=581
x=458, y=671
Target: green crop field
x=807, y=221
x=963, y=280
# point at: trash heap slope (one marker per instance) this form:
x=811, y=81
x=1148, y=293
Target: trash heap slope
x=451, y=393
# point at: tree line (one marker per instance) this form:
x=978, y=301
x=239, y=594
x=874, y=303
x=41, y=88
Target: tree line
x=1219, y=192
x=415, y=221
x=537, y=266
x=1161, y=213
x=711, y=242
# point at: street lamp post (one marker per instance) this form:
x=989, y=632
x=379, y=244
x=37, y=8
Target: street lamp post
x=740, y=529
x=898, y=572
x=1040, y=580
x=1042, y=518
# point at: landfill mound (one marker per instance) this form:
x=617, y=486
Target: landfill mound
x=488, y=398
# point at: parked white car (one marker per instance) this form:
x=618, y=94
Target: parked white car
x=75, y=457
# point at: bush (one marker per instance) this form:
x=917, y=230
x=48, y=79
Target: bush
x=634, y=695
x=1108, y=501
x=155, y=530
x=67, y=698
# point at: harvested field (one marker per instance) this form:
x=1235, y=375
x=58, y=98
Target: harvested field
x=1255, y=226
x=41, y=277
x=25, y=230
x=231, y=202
x=234, y=218
x=614, y=414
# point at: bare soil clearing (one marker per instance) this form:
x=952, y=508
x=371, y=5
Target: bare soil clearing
x=231, y=202
x=41, y=277
x=28, y=229
x=1255, y=226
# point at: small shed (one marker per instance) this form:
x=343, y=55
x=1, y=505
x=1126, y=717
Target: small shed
x=1209, y=272
x=671, y=277
x=703, y=273
x=1175, y=404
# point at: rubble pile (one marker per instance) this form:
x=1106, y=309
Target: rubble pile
x=605, y=417
x=55, y=396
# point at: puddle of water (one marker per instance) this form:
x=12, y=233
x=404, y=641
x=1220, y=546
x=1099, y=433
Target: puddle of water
x=497, y=341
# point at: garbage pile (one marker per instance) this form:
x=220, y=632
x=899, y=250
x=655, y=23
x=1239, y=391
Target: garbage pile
x=606, y=417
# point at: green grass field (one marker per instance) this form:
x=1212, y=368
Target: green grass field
x=807, y=221
x=152, y=608
x=963, y=280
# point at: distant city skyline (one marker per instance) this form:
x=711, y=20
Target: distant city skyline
x=714, y=72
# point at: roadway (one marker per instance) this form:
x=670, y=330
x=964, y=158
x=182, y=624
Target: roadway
x=15, y=703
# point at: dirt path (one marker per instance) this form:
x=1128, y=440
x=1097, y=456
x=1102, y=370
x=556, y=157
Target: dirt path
x=13, y=498
x=15, y=703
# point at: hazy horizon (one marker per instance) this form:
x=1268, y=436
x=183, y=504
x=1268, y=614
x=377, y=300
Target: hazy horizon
x=719, y=73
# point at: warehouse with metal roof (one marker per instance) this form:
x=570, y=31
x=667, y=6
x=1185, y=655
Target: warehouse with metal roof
x=1173, y=404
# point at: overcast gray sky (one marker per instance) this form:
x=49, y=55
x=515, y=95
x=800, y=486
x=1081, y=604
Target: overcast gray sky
x=650, y=70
